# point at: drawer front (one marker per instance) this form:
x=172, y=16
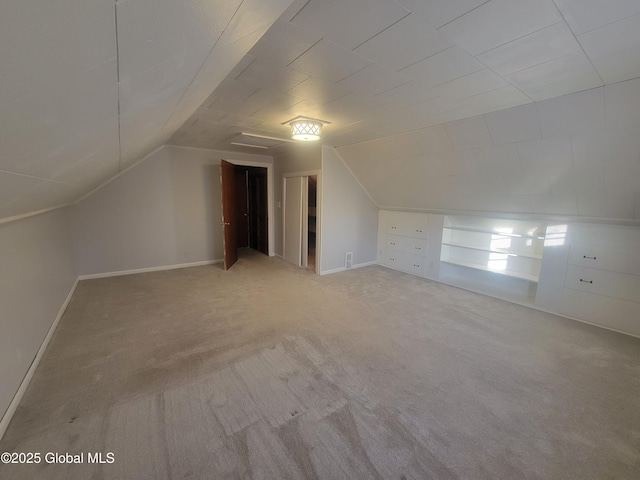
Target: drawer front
x=602, y=282
x=405, y=262
x=408, y=224
x=609, y=312
x=605, y=257
x=414, y=246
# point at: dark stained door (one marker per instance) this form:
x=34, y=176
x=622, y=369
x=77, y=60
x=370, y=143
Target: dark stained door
x=229, y=214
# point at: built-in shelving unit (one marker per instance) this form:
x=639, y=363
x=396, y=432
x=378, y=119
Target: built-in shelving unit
x=500, y=257
x=506, y=247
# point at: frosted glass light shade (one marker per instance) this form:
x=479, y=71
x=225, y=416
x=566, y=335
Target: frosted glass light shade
x=306, y=130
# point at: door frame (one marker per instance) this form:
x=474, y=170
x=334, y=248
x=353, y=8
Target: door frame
x=318, y=175
x=270, y=195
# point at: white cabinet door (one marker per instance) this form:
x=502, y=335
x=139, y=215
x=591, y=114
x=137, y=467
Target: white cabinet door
x=602, y=282
x=609, y=312
x=605, y=257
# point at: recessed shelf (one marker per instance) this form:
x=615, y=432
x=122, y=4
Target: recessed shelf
x=495, y=233
x=506, y=251
x=508, y=273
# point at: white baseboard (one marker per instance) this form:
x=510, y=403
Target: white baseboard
x=342, y=269
x=11, y=409
x=148, y=269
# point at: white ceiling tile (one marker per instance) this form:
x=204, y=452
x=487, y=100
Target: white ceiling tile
x=265, y=99
x=442, y=67
x=576, y=180
x=591, y=149
x=613, y=38
x=349, y=23
x=318, y=91
x=503, y=158
x=161, y=83
x=500, y=21
x=498, y=203
x=473, y=84
x=353, y=107
x=293, y=10
x=251, y=17
x=434, y=142
x=565, y=86
x=43, y=129
x=555, y=204
x=440, y=12
x=563, y=75
x=373, y=80
x=264, y=74
x=622, y=104
x=283, y=43
x=45, y=43
x=570, y=114
x=619, y=67
x=408, y=94
x=539, y=47
x=328, y=61
x=528, y=182
x=585, y=15
x=514, y=124
x=545, y=154
x=407, y=42
x=611, y=205
x=493, y=100
x=469, y=133
x=172, y=28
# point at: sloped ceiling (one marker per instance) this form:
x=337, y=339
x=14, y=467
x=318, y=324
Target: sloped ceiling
x=572, y=156
x=89, y=87
x=376, y=68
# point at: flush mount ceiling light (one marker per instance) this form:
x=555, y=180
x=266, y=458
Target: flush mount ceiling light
x=305, y=129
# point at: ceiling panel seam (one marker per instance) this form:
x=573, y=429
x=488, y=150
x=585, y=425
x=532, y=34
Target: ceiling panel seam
x=184, y=92
x=576, y=38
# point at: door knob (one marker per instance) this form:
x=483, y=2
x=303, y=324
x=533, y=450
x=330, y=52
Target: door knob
x=225, y=223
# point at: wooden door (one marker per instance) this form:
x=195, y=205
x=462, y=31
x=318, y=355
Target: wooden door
x=293, y=220
x=229, y=239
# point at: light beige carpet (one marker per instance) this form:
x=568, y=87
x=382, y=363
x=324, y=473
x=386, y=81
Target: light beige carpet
x=271, y=372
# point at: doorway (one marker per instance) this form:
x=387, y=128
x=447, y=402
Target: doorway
x=245, y=207
x=301, y=229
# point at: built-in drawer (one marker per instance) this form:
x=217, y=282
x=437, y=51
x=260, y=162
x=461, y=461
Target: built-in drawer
x=405, y=262
x=621, y=315
x=408, y=224
x=603, y=282
x=414, y=246
x=605, y=257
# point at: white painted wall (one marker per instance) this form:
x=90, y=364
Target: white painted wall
x=576, y=155
x=37, y=275
x=164, y=211
x=349, y=221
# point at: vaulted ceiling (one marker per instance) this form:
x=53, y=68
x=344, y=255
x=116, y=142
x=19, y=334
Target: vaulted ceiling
x=89, y=87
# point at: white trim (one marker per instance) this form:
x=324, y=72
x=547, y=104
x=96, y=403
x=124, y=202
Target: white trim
x=271, y=228
x=31, y=214
x=148, y=269
x=342, y=269
x=11, y=409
